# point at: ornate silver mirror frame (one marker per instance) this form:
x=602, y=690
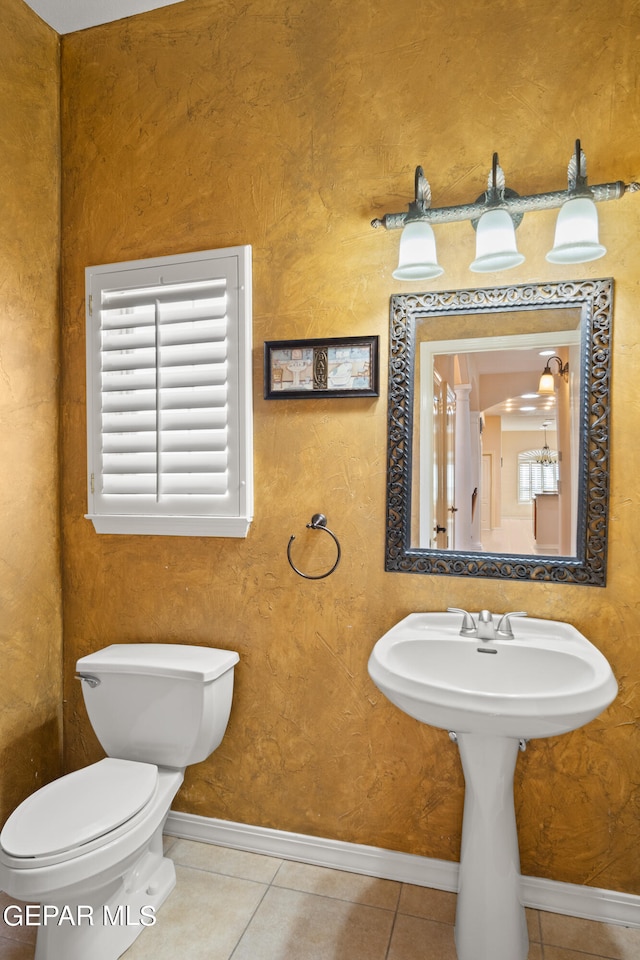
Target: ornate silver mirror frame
x=588, y=566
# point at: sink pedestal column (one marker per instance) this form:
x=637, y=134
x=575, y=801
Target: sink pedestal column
x=490, y=917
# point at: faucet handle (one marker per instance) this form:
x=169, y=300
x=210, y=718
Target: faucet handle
x=507, y=630
x=468, y=623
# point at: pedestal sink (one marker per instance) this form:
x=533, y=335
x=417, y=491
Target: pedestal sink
x=492, y=692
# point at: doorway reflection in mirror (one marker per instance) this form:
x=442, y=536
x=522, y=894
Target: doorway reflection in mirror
x=483, y=485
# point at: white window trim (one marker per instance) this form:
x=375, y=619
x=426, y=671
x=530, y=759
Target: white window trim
x=170, y=521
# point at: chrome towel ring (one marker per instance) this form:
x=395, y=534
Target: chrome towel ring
x=318, y=522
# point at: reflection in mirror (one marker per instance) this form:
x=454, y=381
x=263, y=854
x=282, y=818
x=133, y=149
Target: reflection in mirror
x=493, y=473
x=487, y=480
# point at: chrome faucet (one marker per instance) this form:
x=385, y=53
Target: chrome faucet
x=485, y=628
x=506, y=631
x=469, y=627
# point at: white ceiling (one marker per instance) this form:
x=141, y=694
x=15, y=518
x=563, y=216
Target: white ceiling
x=65, y=16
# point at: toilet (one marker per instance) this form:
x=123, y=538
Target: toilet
x=88, y=847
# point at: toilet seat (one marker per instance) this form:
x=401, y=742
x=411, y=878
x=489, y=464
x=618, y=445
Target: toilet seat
x=78, y=809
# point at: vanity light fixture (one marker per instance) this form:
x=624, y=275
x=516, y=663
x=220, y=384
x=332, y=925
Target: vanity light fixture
x=417, y=259
x=546, y=387
x=495, y=230
x=496, y=214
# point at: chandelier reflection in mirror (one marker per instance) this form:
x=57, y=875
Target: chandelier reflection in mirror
x=495, y=216
x=546, y=456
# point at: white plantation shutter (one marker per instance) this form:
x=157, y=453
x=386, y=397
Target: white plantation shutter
x=534, y=477
x=169, y=394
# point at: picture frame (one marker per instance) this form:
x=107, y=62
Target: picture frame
x=328, y=367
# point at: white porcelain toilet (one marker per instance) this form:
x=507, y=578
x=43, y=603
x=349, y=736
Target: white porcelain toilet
x=88, y=847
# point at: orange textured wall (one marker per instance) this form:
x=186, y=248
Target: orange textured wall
x=289, y=128
x=30, y=598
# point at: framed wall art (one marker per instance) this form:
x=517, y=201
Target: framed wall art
x=333, y=367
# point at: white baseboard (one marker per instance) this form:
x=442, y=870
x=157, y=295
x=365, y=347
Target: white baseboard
x=572, y=899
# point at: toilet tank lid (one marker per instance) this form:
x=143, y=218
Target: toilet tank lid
x=160, y=659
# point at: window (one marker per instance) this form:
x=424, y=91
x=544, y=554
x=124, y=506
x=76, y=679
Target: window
x=537, y=473
x=169, y=414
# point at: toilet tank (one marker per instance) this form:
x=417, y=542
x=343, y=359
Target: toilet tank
x=162, y=703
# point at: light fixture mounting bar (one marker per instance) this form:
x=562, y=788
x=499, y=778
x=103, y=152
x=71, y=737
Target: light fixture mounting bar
x=419, y=210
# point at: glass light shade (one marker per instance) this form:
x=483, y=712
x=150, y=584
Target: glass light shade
x=495, y=243
x=417, y=260
x=576, y=239
x=546, y=386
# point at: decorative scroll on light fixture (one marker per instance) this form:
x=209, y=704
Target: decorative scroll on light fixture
x=495, y=216
x=546, y=386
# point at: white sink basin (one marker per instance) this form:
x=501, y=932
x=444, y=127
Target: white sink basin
x=547, y=680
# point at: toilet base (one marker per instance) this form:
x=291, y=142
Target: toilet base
x=107, y=922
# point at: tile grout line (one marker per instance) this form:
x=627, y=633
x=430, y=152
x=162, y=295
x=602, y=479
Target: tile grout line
x=401, y=886
x=580, y=955
x=249, y=921
x=391, y=932
x=272, y=884
x=266, y=885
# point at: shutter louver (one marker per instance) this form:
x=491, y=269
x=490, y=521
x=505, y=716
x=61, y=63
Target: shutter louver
x=166, y=367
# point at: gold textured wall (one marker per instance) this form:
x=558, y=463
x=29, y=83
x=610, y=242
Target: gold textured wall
x=30, y=601
x=288, y=127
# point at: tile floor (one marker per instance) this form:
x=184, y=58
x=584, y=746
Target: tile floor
x=230, y=905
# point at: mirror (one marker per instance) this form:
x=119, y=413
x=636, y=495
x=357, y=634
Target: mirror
x=488, y=476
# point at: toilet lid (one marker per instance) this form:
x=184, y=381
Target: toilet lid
x=79, y=807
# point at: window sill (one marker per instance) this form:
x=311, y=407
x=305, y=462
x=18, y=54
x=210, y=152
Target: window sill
x=172, y=526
